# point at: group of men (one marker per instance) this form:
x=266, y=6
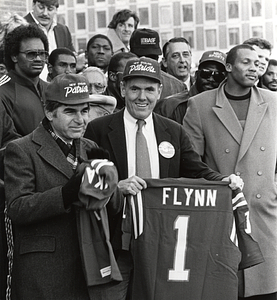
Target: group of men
x=226, y=132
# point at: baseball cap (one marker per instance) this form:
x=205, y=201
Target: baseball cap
x=68, y=89
x=216, y=56
x=142, y=67
x=145, y=42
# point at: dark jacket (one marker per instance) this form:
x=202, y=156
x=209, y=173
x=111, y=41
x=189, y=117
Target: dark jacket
x=47, y=262
x=23, y=102
x=62, y=34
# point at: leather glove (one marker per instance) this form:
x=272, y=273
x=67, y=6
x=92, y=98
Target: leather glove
x=71, y=189
x=98, y=153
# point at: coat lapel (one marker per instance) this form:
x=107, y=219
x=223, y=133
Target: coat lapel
x=118, y=141
x=51, y=152
x=227, y=116
x=256, y=112
x=162, y=135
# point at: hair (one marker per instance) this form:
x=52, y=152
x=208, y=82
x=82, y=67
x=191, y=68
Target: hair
x=174, y=40
x=115, y=60
x=95, y=70
x=232, y=54
x=272, y=62
x=53, y=57
x=99, y=36
x=122, y=16
x=13, y=41
x=261, y=43
x=48, y=2
x=9, y=23
x=51, y=105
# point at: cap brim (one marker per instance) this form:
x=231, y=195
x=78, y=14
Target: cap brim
x=74, y=102
x=146, y=51
x=141, y=75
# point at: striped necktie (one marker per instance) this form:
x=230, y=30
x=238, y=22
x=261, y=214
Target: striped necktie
x=143, y=167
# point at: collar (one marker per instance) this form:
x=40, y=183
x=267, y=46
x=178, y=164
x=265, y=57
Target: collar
x=118, y=45
x=187, y=83
x=54, y=23
x=133, y=122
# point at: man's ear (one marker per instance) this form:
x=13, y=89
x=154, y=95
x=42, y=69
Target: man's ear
x=50, y=68
x=112, y=76
x=48, y=114
x=14, y=58
x=122, y=88
x=228, y=68
x=164, y=62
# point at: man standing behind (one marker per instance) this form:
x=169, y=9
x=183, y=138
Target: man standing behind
x=234, y=129
x=121, y=27
x=61, y=60
x=210, y=73
x=177, y=59
x=99, y=52
x=26, y=52
x=269, y=79
x=166, y=141
x=44, y=15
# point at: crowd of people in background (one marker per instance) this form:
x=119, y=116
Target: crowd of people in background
x=60, y=109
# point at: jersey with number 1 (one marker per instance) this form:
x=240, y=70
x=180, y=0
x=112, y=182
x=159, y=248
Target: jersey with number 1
x=181, y=245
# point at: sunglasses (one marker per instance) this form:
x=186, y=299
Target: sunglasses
x=33, y=54
x=218, y=76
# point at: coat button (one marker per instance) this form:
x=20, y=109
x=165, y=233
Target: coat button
x=260, y=173
x=262, y=148
x=227, y=150
x=258, y=196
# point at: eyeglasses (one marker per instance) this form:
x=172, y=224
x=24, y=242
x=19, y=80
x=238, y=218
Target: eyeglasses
x=33, y=54
x=218, y=76
x=98, y=87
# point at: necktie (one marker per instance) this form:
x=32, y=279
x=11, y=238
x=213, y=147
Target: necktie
x=143, y=168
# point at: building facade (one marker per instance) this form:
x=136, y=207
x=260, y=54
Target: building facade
x=207, y=24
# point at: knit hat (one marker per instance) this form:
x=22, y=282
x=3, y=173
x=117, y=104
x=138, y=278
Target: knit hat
x=142, y=67
x=144, y=42
x=68, y=89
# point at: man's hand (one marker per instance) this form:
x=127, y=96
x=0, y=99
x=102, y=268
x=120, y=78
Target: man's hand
x=235, y=181
x=131, y=185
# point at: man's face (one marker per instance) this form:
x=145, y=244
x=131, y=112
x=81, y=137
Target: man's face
x=209, y=76
x=99, y=54
x=26, y=66
x=244, y=71
x=124, y=30
x=97, y=84
x=141, y=95
x=115, y=77
x=69, y=121
x=264, y=55
x=44, y=14
x=270, y=78
x=64, y=64
x=178, y=60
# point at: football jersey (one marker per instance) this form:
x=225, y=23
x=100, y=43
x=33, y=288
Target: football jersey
x=182, y=240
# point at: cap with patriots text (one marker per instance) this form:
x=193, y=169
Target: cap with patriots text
x=145, y=42
x=142, y=67
x=70, y=89
x=215, y=56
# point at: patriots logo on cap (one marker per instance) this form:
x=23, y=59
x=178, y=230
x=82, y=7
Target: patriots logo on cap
x=217, y=55
x=142, y=66
x=76, y=88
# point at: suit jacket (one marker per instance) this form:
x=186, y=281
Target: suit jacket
x=251, y=153
x=47, y=262
x=62, y=34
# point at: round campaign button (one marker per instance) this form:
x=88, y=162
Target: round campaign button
x=166, y=149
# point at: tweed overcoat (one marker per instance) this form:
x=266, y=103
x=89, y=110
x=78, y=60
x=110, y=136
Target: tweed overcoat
x=251, y=153
x=47, y=262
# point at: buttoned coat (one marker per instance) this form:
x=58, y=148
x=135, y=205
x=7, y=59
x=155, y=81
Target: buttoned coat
x=47, y=262
x=251, y=153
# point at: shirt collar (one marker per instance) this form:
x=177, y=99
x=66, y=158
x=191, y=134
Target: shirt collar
x=133, y=121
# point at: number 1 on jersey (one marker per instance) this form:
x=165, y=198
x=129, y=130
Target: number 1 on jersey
x=179, y=273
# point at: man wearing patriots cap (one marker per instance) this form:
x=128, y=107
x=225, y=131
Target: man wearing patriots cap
x=41, y=184
x=167, y=145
